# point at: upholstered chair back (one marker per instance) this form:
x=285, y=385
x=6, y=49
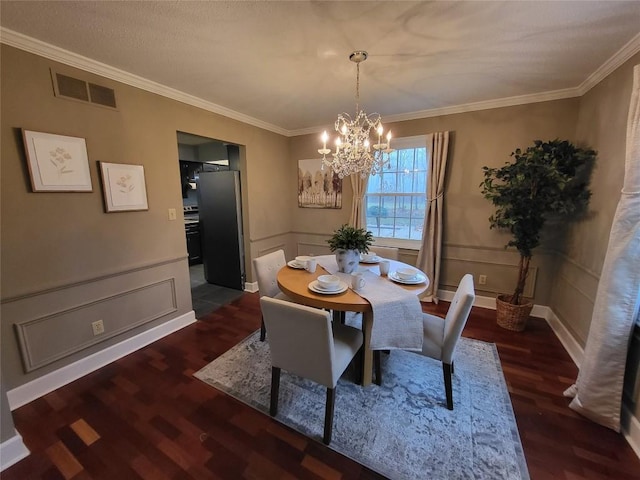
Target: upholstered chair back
x=266, y=268
x=457, y=316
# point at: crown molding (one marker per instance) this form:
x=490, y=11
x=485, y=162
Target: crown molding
x=625, y=53
x=466, y=108
x=32, y=45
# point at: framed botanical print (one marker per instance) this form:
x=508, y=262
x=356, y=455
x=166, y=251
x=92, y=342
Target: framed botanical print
x=57, y=163
x=123, y=187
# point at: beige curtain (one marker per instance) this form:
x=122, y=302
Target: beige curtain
x=431, y=247
x=598, y=390
x=359, y=186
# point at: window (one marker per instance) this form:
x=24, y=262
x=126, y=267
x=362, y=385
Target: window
x=396, y=198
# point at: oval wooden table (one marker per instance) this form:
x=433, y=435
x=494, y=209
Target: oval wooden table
x=295, y=283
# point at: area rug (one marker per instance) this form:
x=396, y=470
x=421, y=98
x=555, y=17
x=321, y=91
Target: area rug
x=401, y=429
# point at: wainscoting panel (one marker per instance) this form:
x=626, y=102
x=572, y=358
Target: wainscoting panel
x=573, y=297
x=40, y=343
x=272, y=248
x=583, y=281
x=501, y=278
x=44, y=331
x=262, y=246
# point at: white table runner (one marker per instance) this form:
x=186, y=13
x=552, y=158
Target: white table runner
x=397, y=314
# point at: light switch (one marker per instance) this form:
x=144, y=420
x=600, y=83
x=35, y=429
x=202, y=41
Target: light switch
x=172, y=214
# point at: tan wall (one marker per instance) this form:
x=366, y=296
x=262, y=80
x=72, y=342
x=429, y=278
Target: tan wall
x=61, y=252
x=478, y=138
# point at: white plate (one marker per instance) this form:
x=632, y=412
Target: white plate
x=314, y=287
x=375, y=259
x=419, y=278
x=294, y=264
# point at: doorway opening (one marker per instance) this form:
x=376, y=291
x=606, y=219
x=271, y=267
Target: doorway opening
x=212, y=206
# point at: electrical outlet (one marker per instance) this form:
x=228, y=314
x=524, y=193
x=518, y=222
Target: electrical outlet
x=98, y=327
x=172, y=214
x=482, y=280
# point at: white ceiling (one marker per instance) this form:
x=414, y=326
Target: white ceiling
x=285, y=66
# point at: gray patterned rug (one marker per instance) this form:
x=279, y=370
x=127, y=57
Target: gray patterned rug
x=402, y=429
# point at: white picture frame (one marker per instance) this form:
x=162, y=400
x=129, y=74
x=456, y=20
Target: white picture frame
x=57, y=163
x=123, y=187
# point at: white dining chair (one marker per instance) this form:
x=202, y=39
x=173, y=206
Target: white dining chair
x=266, y=268
x=304, y=342
x=441, y=335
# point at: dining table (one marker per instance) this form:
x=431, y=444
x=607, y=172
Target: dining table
x=297, y=283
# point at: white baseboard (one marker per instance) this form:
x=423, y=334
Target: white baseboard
x=631, y=430
x=12, y=451
x=47, y=383
x=483, y=302
x=573, y=348
x=570, y=344
x=251, y=287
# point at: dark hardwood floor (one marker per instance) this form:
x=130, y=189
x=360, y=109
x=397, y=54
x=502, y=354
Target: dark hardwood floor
x=145, y=416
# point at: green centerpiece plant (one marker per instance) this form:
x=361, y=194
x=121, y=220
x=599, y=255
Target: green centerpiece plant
x=547, y=179
x=349, y=242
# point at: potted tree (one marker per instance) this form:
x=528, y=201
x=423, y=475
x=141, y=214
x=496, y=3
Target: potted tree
x=546, y=179
x=348, y=243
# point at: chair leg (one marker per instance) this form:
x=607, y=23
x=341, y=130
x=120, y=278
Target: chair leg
x=359, y=364
x=447, y=370
x=328, y=415
x=275, y=390
x=263, y=330
x=453, y=371
x=377, y=367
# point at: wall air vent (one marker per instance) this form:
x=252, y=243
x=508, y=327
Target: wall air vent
x=72, y=87
x=102, y=95
x=77, y=89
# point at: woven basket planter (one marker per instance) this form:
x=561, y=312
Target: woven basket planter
x=512, y=317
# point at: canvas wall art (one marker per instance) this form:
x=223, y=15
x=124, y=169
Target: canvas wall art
x=318, y=187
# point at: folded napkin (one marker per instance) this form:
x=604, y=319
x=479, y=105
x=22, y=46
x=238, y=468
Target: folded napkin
x=397, y=313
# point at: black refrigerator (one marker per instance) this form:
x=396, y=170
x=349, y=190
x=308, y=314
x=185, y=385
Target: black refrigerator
x=220, y=209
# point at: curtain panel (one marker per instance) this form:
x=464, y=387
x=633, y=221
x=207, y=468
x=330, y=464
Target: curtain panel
x=431, y=246
x=597, y=393
x=359, y=186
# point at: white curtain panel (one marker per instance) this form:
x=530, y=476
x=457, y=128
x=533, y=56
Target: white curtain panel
x=359, y=186
x=598, y=390
x=431, y=246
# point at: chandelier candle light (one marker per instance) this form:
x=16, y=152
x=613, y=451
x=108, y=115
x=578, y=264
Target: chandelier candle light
x=353, y=148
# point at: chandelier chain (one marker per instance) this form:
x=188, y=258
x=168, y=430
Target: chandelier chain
x=357, y=87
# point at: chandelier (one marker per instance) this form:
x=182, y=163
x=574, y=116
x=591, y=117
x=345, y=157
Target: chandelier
x=355, y=153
